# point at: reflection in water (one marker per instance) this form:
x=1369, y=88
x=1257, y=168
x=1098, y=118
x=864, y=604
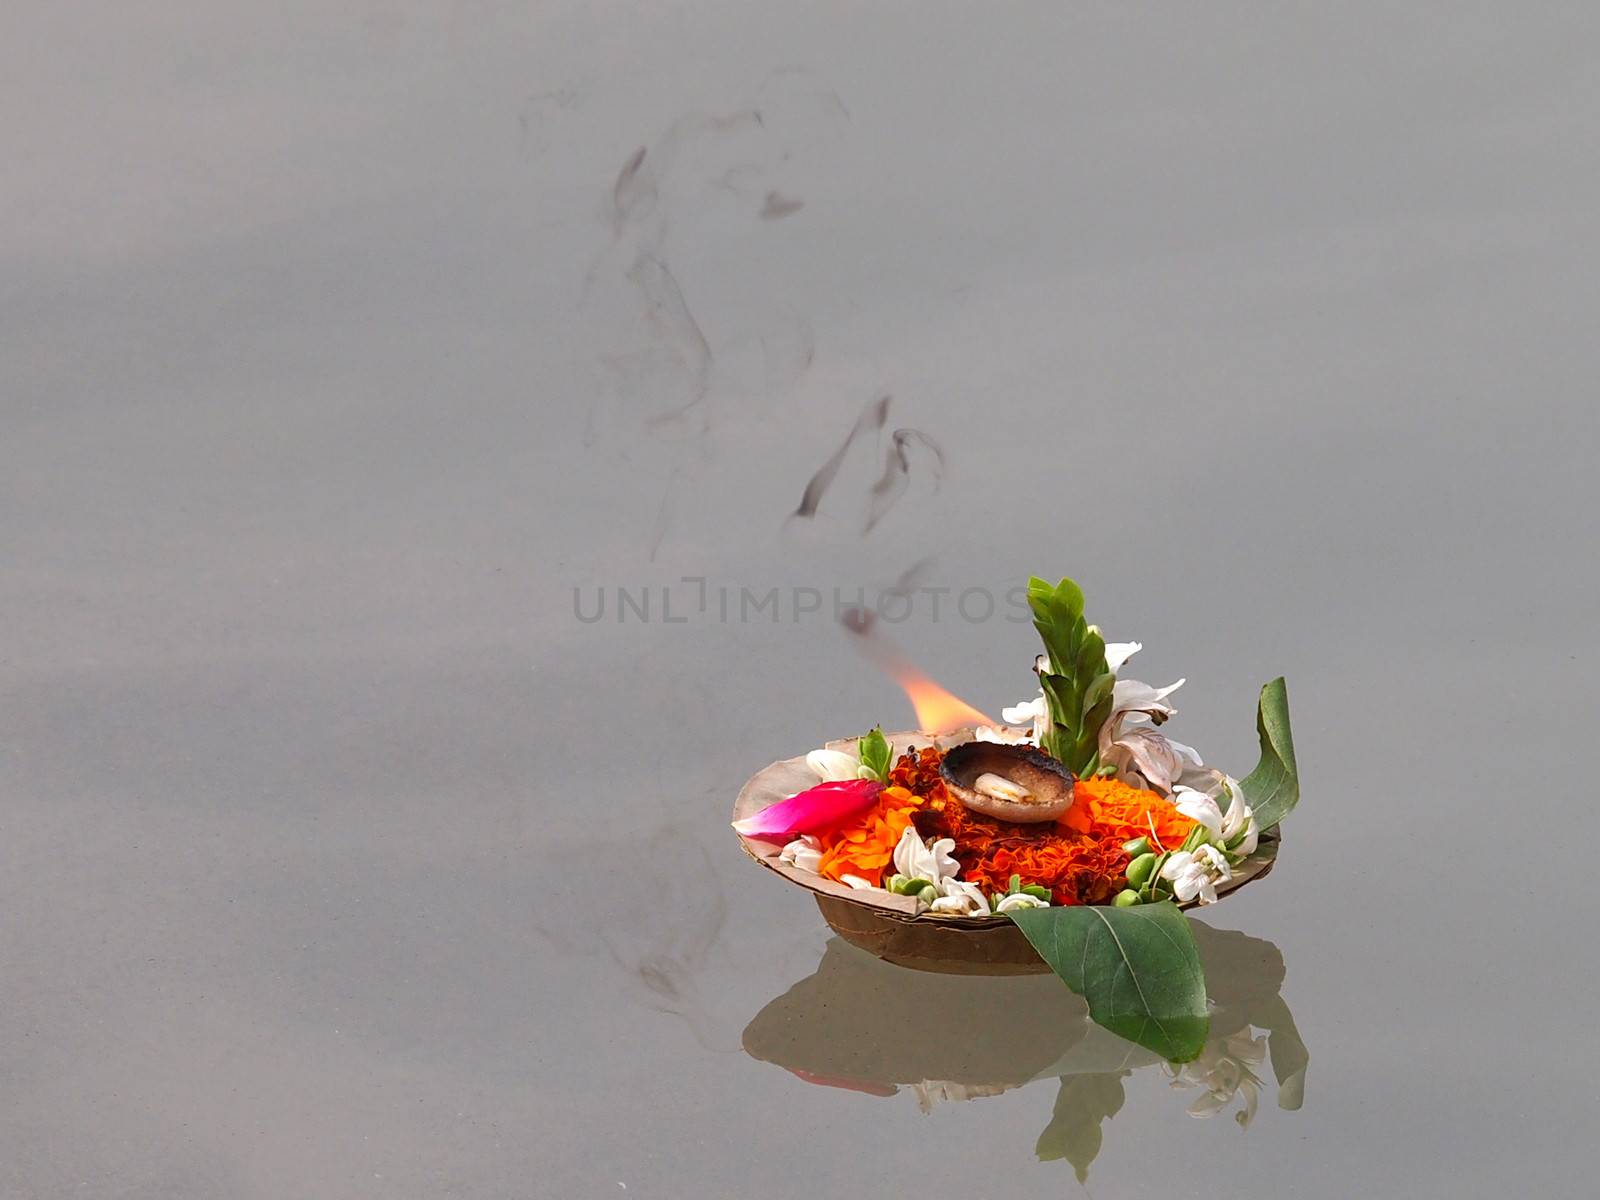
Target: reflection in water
x=844, y=1026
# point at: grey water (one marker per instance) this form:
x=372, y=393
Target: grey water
x=438, y=445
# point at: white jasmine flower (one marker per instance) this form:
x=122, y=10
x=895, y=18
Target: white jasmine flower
x=936, y=1091
x=1020, y=900
x=1196, y=872
x=1142, y=756
x=1185, y=751
x=1024, y=710
x=965, y=899
x=860, y=884
x=1036, y=711
x=1002, y=735
x=1235, y=830
x=1226, y=1068
x=804, y=852
x=833, y=766
x=1200, y=807
x=915, y=859
x=1239, y=832
x=1130, y=743
x=1131, y=696
x=1118, y=653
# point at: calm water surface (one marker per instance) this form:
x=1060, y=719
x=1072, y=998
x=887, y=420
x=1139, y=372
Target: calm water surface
x=353, y=355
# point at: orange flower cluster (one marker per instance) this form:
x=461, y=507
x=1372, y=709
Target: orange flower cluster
x=918, y=771
x=1080, y=858
x=1109, y=808
x=1077, y=868
x=864, y=845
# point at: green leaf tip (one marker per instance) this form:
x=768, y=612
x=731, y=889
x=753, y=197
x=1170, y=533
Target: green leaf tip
x=1137, y=967
x=1273, y=788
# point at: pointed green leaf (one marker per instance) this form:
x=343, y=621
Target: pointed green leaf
x=1273, y=788
x=1091, y=662
x=875, y=753
x=1101, y=691
x=1063, y=601
x=1137, y=968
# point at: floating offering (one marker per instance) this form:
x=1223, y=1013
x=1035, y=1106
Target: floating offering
x=1068, y=838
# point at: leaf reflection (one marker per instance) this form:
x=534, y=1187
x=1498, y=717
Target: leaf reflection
x=844, y=1026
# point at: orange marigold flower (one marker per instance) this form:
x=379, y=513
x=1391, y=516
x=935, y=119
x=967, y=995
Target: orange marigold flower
x=864, y=845
x=1110, y=808
x=1077, y=868
x=918, y=772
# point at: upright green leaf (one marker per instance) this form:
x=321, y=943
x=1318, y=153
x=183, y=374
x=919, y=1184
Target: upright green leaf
x=876, y=754
x=1273, y=788
x=1137, y=968
x=1076, y=684
x=1055, y=609
x=1083, y=1103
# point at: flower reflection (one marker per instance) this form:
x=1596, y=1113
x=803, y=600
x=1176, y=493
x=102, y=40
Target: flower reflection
x=1226, y=1069
x=844, y=1027
x=941, y=1091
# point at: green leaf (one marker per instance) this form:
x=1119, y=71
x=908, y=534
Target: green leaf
x=1076, y=684
x=1058, y=607
x=876, y=754
x=1137, y=968
x=1273, y=788
x=1082, y=1105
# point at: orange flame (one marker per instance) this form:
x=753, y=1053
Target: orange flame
x=938, y=710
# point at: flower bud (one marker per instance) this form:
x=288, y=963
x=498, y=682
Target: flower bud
x=1126, y=898
x=1139, y=845
x=1140, y=870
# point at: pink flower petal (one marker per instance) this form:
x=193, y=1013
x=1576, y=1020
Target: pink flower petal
x=813, y=809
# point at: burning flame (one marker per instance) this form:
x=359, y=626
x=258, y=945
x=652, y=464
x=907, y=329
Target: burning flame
x=938, y=710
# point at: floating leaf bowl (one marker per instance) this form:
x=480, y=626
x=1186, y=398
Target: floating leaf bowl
x=890, y=926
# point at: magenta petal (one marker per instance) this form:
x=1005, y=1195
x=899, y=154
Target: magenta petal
x=815, y=808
